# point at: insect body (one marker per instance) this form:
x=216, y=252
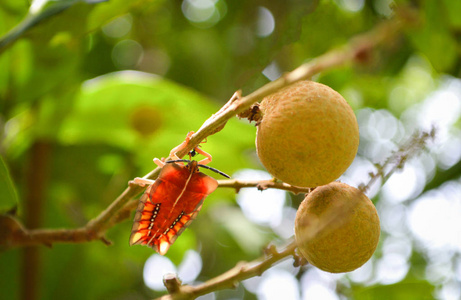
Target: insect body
x=171, y=203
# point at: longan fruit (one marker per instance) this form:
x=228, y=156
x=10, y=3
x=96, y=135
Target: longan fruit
x=337, y=228
x=308, y=135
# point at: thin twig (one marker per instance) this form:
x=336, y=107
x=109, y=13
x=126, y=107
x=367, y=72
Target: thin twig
x=232, y=277
x=396, y=160
x=262, y=185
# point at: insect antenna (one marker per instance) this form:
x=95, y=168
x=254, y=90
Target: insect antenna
x=215, y=170
x=203, y=166
x=178, y=160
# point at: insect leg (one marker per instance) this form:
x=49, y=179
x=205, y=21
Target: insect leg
x=180, y=146
x=205, y=161
x=159, y=162
x=141, y=181
x=197, y=149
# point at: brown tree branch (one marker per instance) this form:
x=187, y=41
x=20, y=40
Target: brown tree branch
x=16, y=235
x=229, y=279
x=262, y=185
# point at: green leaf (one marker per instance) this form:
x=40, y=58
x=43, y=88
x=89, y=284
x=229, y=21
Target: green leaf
x=7, y=190
x=148, y=116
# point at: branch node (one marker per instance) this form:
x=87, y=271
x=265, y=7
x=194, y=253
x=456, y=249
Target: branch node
x=299, y=259
x=12, y=231
x=263, y=185
x=252, y=114
x=172, y=283
x=106, y=241
x=270, y=250
x=235, y=284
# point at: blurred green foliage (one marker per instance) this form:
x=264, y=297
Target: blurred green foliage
x=110, y=85
x=402, y=290
x=7, y=189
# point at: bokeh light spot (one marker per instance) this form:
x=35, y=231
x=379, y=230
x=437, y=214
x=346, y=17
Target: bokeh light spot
x=157, y=266
x=126, y=54
x=435, y=218
x=118, y=27
x=261, y=207
x=449, y=153
x=392, y=268
x=190, y=267
x=265, y=22
x=154, y=269
x=198, y=10
x=363, y=274
x=442, y=107
x=319, y=291
x=278, y=284
x=317, y=284
x=404, y=185
x=272, y=71
x=351, y=5
x=204, y=13
x=383, y=6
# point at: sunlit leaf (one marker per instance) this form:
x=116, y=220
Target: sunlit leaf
x=147, y=115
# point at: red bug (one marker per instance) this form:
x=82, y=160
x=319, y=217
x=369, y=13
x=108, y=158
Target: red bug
x=171, y=202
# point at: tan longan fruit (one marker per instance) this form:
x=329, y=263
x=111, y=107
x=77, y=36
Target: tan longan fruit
x=308, y=135
x=337, y=228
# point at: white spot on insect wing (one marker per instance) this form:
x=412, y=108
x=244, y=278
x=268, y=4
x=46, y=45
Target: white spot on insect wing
x=154, y=215
x=177, y=219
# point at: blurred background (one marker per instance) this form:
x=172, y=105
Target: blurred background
x=92, y=91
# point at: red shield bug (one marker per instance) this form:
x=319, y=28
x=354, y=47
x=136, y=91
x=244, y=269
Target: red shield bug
x=171, y=202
